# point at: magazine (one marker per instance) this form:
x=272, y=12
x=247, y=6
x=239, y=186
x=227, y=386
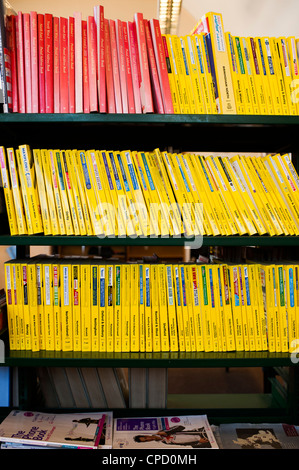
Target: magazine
x=174, y=432
x=258, y=436
x=77, y=430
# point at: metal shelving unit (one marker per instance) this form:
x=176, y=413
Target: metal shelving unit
x=146, y=132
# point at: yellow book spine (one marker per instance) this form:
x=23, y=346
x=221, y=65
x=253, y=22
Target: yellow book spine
x=32, y=302
x=185, y=308
x=15, y=318
x=291, y=306
x=94, y=281
x=179, y=73
x=287, y=75
x=141, y=297
x=110, y=309
x=179, y=311
x=282, y=308
x=148, y=310
x=134, y=320
x=75, y=192
x=236, y=307
x=189, y=84
x=276, y=54
x=55, y=185
x=196, y=305
x=272, y=74
x=294, y=66
x=48, y=307
x=10, y=207
x=24, y=193
x=26, y=307
x=16, y=192
x=156, y=317
x=271, y=321
x=207, y=320
x=221, y=308
x=296, y=296
x=202, y=73
x=78, y=175
x=126, y=303
x=257, y=75
x=56, y=307
x=20, y=303
x=45, y=162
x=41, y=192
x=40, y=305
x=172, y=319
x=189, y=294
x=118, y=307
x=69, y=192
x=76, y=306
x=235, y=74
x=9, y=291
x=164, y=330
x=217, y=344
x=287, y=183
x=195, y=77
x=245, y=87
x=103, y=310
x=262, y=60
x=31, y=187
x=227, y=302
x=171, y=75
x=85, y=307
x=249, y=66
x=244, y=309
x=66, y=307
x=248, y=304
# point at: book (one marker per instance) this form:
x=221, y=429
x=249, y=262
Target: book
x=101, y=78
x=145, y=86
x=74, y=430
x=78, y=62
x=155, y=82
x=49, y=75
x=157, y=433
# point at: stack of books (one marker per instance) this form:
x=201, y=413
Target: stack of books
x=85, y=305
x=148, y=194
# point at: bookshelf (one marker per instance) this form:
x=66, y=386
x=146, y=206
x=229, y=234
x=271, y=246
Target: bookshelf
x=186, y=132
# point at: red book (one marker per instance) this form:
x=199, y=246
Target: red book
x=101, y=72
x=86, y=105
x=49, y=85
x=145, y=85
x=20, y=63
x=157, y=96
x=71, y=64
x=56, y=64
x=92, y=63
x=27, y=61
x=11, y=40
x=115, y=68
x=133, y=48
x=109, y=73
x=161, y=65
x=41, y=62
x=64, y=90
x=34, y=61
x=78, y=63
x=121, y=64
x=131, y=105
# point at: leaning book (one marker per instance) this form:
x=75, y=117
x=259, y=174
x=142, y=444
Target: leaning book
x=176, y=432
x=91, y=430
x=258, y=436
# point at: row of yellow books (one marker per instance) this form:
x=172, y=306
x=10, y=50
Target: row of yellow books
x=84, y=305
x=135, y=193
x=212, y=71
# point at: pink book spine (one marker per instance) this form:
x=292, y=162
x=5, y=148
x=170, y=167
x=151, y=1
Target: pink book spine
x=121, y=64
x=71, y=64
x=86, y=106
x=20, y=63
x=131, y=105
x=56, y=64
x=64, y=95
x=41, y=63
x=101, y=72
x=49, y=85
x=157, y=95
x=92, y=63
x=27, y=61
x=161, y=65
x=145, y=86
x=133, y=48
x=115, y=67
x=13, y=60
x=109, y=74
x=78, y=63
x=34, y=61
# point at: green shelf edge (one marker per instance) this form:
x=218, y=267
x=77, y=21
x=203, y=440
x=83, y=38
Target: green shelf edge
x=149, y=119
x=48, y=240
x=159, y=359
